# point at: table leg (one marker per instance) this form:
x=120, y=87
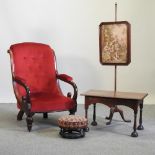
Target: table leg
x=86, y=112
x=86, y=116
x=94, y=123
x=140, y=127
x=134, y=133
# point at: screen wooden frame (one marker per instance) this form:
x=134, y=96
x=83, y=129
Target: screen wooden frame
x=115, y=43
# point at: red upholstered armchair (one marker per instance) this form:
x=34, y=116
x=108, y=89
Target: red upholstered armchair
x=36, y=82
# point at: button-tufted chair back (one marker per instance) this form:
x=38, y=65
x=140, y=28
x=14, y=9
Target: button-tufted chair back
x=35, y=64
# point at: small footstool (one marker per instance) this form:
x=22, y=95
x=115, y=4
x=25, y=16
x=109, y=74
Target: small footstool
x=73, y=126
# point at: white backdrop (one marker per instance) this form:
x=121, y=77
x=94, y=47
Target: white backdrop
x=71, y=28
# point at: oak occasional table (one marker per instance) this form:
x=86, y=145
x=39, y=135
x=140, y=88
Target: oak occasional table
x=111, y=98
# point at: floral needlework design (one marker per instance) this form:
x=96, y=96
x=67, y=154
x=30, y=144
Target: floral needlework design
x=115, y=47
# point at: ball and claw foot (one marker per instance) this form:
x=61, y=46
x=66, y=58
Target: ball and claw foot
x=140, y=127
x=134, y=134
x=94, y=123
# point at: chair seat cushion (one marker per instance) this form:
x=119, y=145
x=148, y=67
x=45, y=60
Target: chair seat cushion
x=72, y=122
x=41, y=102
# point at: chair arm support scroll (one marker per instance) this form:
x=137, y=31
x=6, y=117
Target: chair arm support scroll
x=21, y=82
x=68, y=79
x=64, y=77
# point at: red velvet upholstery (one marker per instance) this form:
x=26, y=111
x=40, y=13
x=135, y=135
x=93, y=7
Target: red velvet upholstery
x=33, y=64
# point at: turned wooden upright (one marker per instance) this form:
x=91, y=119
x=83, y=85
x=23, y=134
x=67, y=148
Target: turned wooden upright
x=113, y=41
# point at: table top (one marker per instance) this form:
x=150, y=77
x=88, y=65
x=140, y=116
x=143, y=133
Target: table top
x=113, y=94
